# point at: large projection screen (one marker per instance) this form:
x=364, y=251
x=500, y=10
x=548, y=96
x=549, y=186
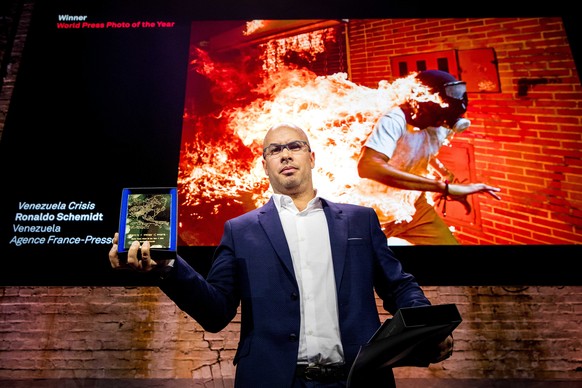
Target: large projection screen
x=111, y=95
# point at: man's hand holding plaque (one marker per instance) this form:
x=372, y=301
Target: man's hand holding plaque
x=139, y=257
x=147, y=237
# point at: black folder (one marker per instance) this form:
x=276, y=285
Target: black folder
x=404, y=339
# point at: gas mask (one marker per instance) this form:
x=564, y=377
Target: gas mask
x=453, y=92
x=455, y=95
x=461, y=124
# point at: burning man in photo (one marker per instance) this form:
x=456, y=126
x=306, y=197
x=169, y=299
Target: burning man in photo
x=399, y=159
x=232, y=98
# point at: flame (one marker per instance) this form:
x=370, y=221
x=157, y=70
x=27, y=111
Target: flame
x=220, y=171
x=253, y=25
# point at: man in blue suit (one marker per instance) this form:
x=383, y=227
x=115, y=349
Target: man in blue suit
x=303, y=271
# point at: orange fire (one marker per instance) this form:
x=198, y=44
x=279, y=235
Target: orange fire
x=220, y=172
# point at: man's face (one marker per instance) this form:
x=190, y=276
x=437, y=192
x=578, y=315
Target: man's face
x=289, y=168
x=456, y=97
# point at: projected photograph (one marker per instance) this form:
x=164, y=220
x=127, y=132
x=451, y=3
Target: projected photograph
x=520, y=132
x=100, y=97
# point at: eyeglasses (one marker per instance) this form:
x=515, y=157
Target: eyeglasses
x=294, y=146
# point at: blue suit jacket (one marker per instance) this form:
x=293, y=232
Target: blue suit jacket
x=252, y=267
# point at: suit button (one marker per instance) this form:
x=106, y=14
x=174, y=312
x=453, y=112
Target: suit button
x=294, y=296
x=292, y=337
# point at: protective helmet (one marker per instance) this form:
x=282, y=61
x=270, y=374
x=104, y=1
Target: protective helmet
x=451, y=90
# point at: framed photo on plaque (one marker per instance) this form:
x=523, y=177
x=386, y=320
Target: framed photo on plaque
x=149, y=214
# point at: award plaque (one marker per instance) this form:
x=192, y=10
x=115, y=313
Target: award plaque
x=149, y=214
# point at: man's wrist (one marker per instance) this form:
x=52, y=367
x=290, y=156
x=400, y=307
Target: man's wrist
x=165, y=267
x=442, y=187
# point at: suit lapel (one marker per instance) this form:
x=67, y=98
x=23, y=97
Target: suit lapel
x=338, y=237
x=271, y=223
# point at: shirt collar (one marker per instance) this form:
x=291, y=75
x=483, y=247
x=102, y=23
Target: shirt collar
x=283, y=201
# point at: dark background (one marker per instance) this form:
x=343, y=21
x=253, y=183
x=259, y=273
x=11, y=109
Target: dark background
x=94, y=111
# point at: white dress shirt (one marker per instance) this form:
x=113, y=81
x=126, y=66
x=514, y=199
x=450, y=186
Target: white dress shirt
x=308, y=239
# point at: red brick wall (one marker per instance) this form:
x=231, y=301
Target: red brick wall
x=63, y=334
